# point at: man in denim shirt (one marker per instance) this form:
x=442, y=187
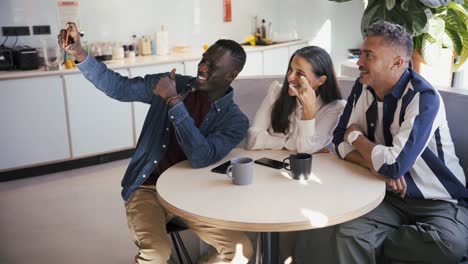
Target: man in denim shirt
x=189, y=118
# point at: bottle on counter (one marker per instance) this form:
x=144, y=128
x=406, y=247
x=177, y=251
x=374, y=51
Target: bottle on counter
x=162, y=41
x=125, y=48
x=96, y=49
x=131, y=51
x=153, y=44
x=107, y=51
x=145, y=46
x=263, y=29
x=118, y=51
x=135, y=45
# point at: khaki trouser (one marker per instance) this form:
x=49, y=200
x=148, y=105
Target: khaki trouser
x=147, y=221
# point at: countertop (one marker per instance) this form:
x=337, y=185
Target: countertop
x=139, y=61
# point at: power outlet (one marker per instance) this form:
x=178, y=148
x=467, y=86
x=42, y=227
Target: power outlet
x=41, y=30
x=15, y=31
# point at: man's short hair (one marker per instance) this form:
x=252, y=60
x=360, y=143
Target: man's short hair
x=393, y=34
x=237, y=52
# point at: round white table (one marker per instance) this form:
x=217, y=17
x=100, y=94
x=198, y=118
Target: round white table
x=338, y=191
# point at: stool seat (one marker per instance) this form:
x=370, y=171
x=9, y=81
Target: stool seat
x=172, y=227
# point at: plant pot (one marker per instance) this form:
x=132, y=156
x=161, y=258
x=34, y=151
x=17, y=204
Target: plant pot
x=438, y=74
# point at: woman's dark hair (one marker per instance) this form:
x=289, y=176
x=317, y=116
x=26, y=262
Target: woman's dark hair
x=285, y=104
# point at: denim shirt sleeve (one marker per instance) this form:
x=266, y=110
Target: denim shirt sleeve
x=203, y=151
x=116, y=86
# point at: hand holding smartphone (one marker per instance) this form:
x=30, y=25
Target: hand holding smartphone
x=67, y=36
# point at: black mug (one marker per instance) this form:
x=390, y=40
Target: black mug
x=300, y=165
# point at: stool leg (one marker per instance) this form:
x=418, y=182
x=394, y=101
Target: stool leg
x=182, y=246
x=176, y=246
x=258, y=255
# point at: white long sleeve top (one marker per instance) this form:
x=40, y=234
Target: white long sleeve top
x=304, y=135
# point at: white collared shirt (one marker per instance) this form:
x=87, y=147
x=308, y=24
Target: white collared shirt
x=304, y=135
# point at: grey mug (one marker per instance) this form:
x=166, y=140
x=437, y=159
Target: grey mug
x=241, y=171
x=300, y=165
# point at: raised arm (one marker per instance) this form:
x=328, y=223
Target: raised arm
x=111, y=83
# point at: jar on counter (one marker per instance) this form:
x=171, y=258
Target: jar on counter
x=131, y=52
x=118, y=52
x=145, y=46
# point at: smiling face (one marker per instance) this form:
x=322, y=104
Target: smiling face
x=216, y=70
x=377, y=62
x=301, y=67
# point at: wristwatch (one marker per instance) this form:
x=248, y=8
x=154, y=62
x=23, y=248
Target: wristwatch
x=353, y=136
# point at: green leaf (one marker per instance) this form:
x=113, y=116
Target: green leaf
x=456, y=26
x=463, y=54
x=414, y=20
x=390, y=4
x=447, y=41
x=459, y=12
x=430, y=50
x=436, y=28
x=435, y=3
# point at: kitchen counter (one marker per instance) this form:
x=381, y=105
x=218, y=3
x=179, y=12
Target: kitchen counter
x=193, y=54
x=54, y=116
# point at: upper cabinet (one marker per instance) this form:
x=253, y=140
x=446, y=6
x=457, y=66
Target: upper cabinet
x=34, y=125
x=98, y=123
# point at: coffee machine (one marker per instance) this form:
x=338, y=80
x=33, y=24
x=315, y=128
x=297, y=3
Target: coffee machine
x=25, y=58
x=19, y=58
x=6, y=59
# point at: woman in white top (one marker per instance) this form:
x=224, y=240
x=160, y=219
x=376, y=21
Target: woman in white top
x=300, y=114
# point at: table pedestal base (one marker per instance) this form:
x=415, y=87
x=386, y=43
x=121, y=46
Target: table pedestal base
x=268, y=248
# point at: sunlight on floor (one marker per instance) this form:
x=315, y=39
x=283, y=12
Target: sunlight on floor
x=239, y=257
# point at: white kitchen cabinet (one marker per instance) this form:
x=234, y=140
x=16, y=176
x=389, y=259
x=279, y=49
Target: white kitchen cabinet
x=141, y=109
x=253, y=65
x=191, y=67
x=293, y=48
x=275, y=61
x=39, y=121
x=98, y=123
x=34, y=125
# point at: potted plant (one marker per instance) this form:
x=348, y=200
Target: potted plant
x=447, y=28
x=434, y=25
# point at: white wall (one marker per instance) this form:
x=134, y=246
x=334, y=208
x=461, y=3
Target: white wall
x=333, y=26
x=118, y=20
